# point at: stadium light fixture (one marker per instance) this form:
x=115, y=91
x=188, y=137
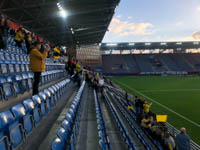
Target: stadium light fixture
x=163, y=43
x=131, y=44
x=63, y=13
x=147, y=43
x=195, y=43
x=111, y=44
x=179, y=43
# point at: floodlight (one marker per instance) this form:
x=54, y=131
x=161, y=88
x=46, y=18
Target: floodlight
x=111, y=44
x=63, y=13
x=131, y=44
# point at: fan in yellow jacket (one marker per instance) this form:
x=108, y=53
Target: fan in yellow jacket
x=37, y=64
x=19, y=37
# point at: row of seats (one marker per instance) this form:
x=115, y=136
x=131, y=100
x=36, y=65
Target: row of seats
x=133, y=115
x=13, y=85
x=137, y=132
x=66, y=135
x=13, y=63
x=17, y=122
x=102, y=131
x=120, y=124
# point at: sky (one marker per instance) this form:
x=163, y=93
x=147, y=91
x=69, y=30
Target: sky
x=155, y=20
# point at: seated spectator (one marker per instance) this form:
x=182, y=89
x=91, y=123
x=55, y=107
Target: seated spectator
x=101, y=85
x=146, y=123
x=146, y=107
x=19, y=37
x=183, y=140
x=157, y=131
x=169, y=142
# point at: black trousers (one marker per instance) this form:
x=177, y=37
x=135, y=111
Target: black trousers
x=36, y=82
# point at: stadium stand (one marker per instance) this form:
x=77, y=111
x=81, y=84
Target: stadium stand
x=143, y=63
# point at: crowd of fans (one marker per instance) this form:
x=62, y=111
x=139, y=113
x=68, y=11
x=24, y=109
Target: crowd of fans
x=158, y=130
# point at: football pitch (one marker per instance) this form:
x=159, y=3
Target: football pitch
x=178, y=97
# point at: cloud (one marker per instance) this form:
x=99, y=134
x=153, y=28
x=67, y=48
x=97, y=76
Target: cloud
x=129, y=17
x=179, y=24
x=124, y=28
x=119, y=16
x=196, y=35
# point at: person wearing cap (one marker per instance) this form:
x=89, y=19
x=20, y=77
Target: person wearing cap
x=37, y=64
x=183, y=140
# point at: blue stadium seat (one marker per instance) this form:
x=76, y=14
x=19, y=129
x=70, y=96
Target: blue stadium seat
x=45, y=99
x=6, y=88
x=66, y=125
x=58, y=144
x=24, y=118
x=63, y=134
x=15, y=85
x=11, y=128
x=102, y=144
x=31, y=109
x=40, y=104
x=4, y=142
x=3, y=67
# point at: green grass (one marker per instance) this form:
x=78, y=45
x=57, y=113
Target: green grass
x=181, y=94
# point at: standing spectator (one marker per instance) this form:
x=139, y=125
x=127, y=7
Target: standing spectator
x=126, y=98
x=101, y=84
x=19, y=37
x=28, y=42
x=146, y=107
x=169, y=142
x=72, y=66
x=77, y=76
x=183, y=140
x=37, y=64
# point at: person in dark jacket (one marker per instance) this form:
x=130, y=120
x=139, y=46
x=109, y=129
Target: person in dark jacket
x=183, y=140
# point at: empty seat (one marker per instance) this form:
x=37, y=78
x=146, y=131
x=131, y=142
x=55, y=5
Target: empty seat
x=6, y=88
x=58, y=144
x=63, y=134
x=30, y=108
x=46, y=100
x=39, y=103
x=4, y=142
x=24, y=118
x=12, y=128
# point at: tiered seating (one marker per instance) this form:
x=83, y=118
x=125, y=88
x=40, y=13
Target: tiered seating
x=104, y=139
x=67, y=134
x=133, y=115
x=15, y=76
x=137, y=132
x=17, y=123
x=121, y=125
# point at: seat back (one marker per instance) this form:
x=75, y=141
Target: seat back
x=19, y=112
x=57, y=144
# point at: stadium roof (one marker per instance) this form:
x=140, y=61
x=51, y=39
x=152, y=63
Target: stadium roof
x=150, y=45
x=88, y=19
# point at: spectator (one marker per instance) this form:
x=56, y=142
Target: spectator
x=146, y=123
x=28, y=42
x=183, y=140
x=126, y=98
x=37, y=64
x=77, y=76
x=169, y=142
x=146, y=107
x=101, y=85
x=19, y=37
x=72, y=66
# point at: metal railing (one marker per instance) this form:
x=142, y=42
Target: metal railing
x=171, y=129
x=174, y=132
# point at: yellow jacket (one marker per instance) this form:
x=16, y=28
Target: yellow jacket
x=78, y=68
x=19, y=36
x=147, y=107
x=37, y=60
